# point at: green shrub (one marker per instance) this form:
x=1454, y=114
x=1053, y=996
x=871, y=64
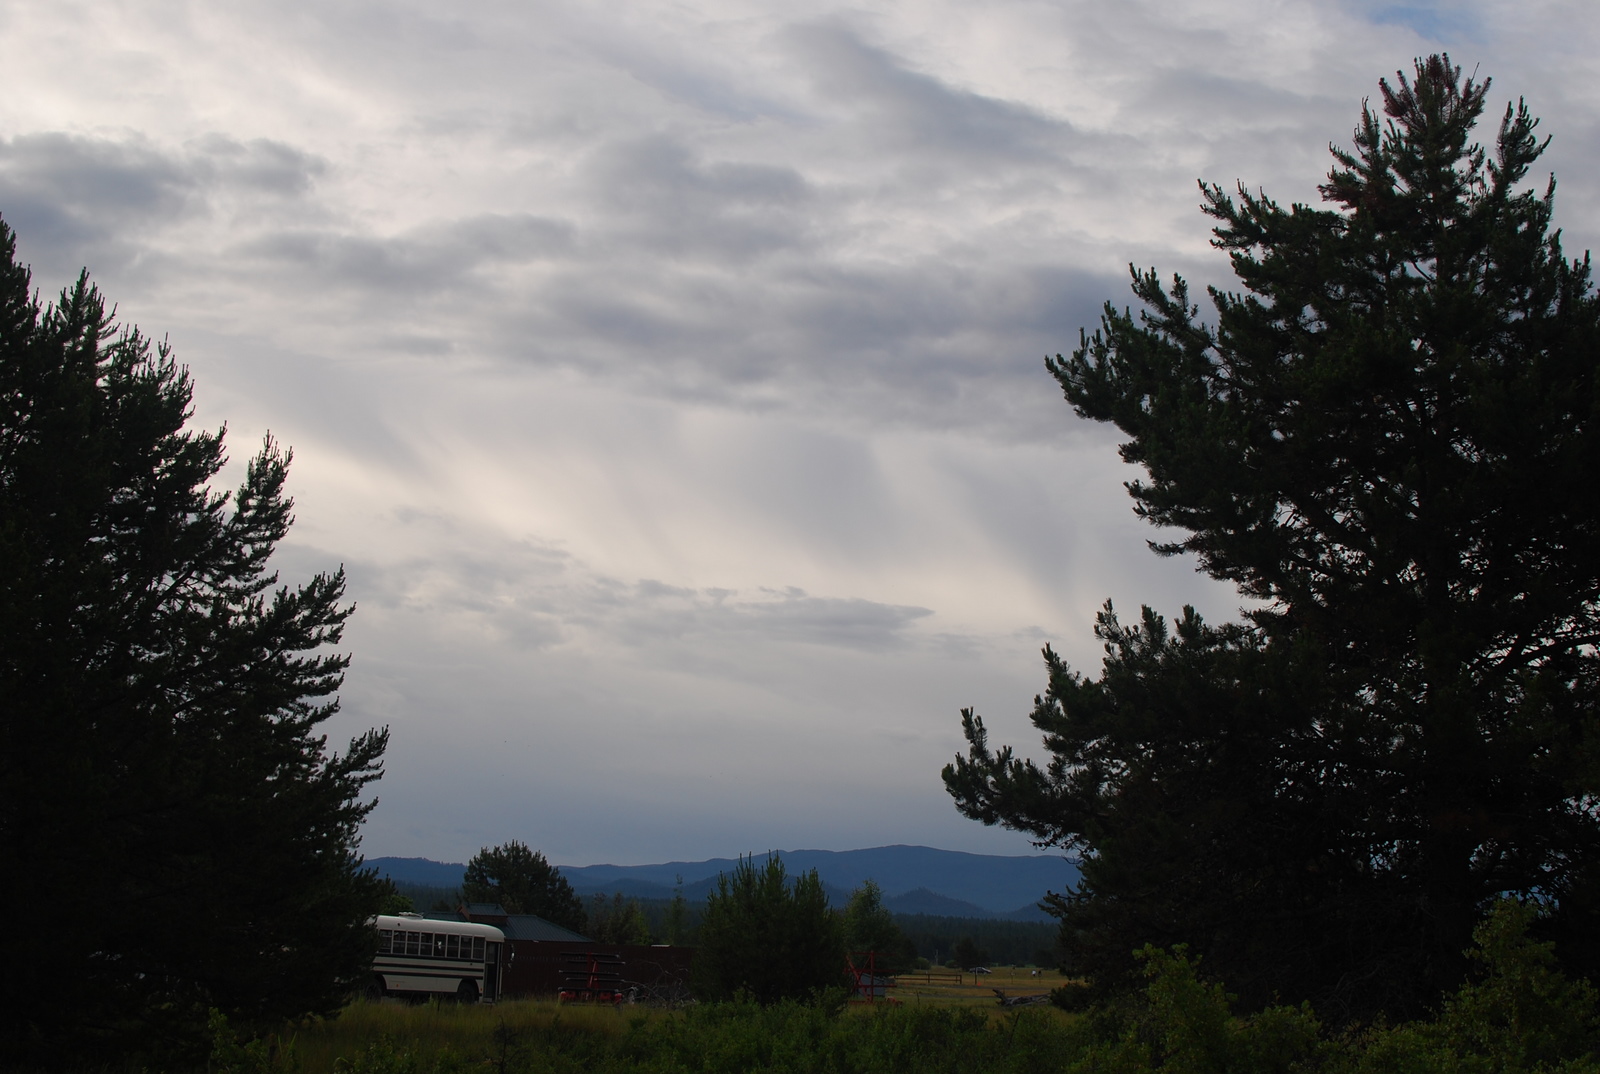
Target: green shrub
x=382, y=1056
x=233, y=1054
x=1182, y=1024
x=1523, y=1015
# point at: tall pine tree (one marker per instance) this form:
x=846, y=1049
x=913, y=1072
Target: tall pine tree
x=768, y=938
x=1387, y=440
x=183, y=835
x=522, y=881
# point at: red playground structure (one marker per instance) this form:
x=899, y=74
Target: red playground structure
x=869, y=985
x=593, y=977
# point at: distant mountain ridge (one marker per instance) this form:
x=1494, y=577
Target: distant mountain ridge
x=914, y=879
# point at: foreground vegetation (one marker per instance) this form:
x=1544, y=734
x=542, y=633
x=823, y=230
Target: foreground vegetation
x=1520, y=1014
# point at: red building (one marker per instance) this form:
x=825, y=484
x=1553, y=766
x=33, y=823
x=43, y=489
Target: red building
x=547, y=960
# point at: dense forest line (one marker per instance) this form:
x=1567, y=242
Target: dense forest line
x=1010, y=943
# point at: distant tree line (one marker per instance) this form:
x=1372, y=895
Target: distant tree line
x=759, y=932
x=1008, y=943
x=899, y=939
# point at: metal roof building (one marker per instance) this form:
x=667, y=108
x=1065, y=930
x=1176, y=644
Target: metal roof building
x=516, y=926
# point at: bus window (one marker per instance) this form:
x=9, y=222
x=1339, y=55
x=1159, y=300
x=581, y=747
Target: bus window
x=452, y=948
x=383, y=941
x=411, y=943
x=425, y=945
x=477, y=948
x=438, y=945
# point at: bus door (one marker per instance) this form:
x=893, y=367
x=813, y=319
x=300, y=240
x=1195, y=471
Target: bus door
x=491, y=973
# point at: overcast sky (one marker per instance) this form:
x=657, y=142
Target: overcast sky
x=668, y=377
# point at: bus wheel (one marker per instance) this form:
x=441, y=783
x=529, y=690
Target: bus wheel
x=468, y=992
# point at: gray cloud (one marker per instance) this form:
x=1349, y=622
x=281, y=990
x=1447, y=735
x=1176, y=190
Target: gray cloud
x=528, y=595
x=669, y=376
x=122, y=180
x=654, y=194
x=260, y=165
x=916, y=113
x=82, y=199
x=435, y=260
x=1446, y=24
x=787, y=615
x=71, y=194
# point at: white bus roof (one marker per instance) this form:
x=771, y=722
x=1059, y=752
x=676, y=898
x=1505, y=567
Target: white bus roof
x=429, y=924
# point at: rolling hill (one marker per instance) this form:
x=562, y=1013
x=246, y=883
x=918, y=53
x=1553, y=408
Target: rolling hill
x=915, y=880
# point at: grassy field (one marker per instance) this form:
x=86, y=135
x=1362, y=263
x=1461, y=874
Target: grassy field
x=392, y=1037
x=1522, y=1015
x=973, y=989
x=472, y=1034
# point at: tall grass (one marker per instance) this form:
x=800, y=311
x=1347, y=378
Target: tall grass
x=428, y=1031
x=727, y=1038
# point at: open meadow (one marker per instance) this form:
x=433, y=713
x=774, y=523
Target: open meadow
x=953, y=988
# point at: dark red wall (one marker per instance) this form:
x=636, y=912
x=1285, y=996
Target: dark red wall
x=537, y=968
